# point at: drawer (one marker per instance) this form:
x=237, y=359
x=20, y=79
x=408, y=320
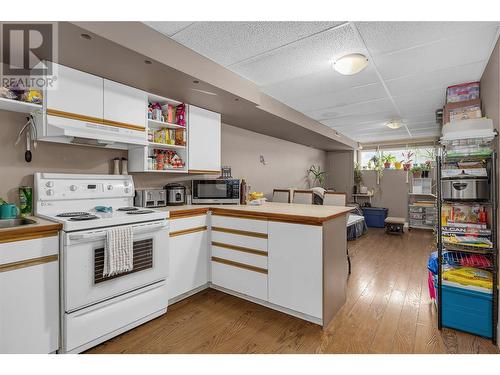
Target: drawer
x=188, y=223
x=29, y=249
x=240, y=280
x=239, y=240
x=240, y=255
x=248, y=225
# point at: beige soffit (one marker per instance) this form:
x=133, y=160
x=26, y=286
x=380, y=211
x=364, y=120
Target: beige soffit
x=161, y=49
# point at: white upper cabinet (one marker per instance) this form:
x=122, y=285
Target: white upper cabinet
x=204, y=140
x=124, y=104
x=76, y=93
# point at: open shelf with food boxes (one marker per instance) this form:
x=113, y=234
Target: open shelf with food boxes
x=467, y=248
x=167, y=147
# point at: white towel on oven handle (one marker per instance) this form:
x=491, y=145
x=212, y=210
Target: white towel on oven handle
x=118, y=251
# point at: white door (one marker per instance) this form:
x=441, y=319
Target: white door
x=124, y=104
x=76, y=93
x=295, y=267
x=204, y=140
x=188, y=262
x=29, y=309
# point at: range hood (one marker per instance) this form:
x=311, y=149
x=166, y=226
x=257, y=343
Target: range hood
x=64, y=130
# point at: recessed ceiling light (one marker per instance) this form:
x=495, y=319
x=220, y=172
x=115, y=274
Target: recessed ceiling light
x=147, y=62
x=86, y=36
x=237, y=99
x=196, y=81
x=350, y=64
x=394, y=124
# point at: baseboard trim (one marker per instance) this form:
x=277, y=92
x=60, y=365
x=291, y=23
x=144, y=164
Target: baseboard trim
x=190, y=293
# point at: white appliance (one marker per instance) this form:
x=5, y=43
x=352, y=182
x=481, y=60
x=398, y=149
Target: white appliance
x=95, y=308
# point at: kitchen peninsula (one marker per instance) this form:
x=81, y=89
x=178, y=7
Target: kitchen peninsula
x=289, y=257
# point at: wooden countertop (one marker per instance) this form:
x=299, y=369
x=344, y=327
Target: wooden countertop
x=286, y=212
x=42, y=228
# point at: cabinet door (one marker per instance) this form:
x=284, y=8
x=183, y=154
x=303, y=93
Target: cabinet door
x=29, y=309
x=295, y=267
x=204, y=140
x=77, y=93
x=124, y=104
x=188, y=262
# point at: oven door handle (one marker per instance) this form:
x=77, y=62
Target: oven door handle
x=101, y=233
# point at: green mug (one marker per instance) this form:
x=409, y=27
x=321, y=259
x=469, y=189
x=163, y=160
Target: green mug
x=8, y=211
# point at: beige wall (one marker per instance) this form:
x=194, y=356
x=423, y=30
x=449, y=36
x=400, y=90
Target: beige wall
x=392, y=192
x=340, y=171
x=287, y=162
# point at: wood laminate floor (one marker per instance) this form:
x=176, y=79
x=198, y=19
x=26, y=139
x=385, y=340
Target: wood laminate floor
x=388, y=310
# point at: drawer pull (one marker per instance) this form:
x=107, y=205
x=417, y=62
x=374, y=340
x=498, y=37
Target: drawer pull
x=240, y=248
x=240, y=232
x=27, y=263
x=239, y=265
x=188, y=231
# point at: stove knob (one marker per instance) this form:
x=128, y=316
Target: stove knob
x=126, y=183
x=127, y=190
x=110, y=187
x=73, y=187
x=49, y=183
x=50, y=192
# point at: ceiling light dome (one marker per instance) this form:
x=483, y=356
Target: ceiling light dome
x=350, y=64
x=394, y=124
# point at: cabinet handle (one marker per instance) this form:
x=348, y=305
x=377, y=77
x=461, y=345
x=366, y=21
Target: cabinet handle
x=188, y=231
x=239, y=265
x=28, y=263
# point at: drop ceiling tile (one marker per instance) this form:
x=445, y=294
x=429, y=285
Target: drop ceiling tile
x=460, y=50
x=307, y=56
x=338, y=98
x=384, y=37
x=438, y=79
x=364, y=108
x=321, y=82
x=424, y=102
x=231, y=42
x=354, y=119
x=168, y=28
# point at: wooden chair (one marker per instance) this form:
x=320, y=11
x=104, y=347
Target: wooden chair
x=281, y=195
x=331, y=198
x=303, y=196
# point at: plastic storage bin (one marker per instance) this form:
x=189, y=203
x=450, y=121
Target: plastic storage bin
x=467, y=310
x=375, y=216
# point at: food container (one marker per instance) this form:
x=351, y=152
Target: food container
x=464, y=91
x=465, y=189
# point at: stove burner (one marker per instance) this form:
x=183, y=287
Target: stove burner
x=84, y=217
x=127, y=209
x=73, y=214
x=140, y=212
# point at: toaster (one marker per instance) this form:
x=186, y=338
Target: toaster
x=150, y=198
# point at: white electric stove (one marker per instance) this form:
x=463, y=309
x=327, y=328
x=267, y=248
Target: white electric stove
x=94, y=307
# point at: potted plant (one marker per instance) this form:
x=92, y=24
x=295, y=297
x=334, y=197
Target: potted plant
x=378, y=166
x=416, y=170
x=425, y=167
x=318, y=175
x=388, y=159
x=407, y=160
x=398, y=164
x=358, y=177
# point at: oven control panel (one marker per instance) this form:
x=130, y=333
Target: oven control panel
x=52, y=186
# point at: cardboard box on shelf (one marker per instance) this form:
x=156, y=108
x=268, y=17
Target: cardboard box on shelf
x=458, y=107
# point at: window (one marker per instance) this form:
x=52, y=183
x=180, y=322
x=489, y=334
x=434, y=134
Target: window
x=420, y=155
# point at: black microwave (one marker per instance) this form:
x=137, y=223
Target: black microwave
x=219, y=191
